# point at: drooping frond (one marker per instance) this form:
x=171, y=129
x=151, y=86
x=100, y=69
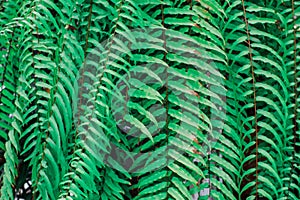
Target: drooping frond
x=149, y=99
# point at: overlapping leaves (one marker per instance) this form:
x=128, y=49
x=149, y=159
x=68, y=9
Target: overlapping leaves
x=125, y=99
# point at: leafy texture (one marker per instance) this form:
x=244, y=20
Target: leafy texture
x=149, y=99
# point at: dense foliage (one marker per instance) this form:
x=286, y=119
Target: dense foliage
x=198, y=97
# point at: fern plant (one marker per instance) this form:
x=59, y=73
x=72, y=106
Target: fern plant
x=136, y=99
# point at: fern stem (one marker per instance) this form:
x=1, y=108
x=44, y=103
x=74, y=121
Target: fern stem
x=85, y=52
x=254, y=94
x=40, y=135
x=53, y=91
x=167, y=89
